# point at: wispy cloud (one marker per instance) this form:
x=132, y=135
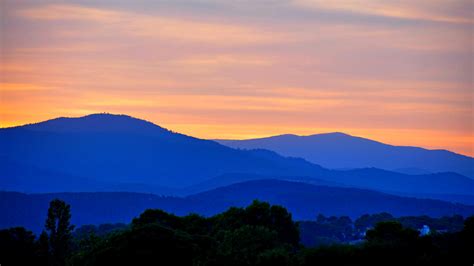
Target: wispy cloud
x=427, y=10
x=391, y=70
x=142, y=25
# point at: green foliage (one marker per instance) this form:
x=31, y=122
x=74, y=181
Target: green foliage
x=256, y=235
x=259, y=213
x=17, y=246
x=242, y=246
x=329, y=255
x=157, y=216
x=42, y=249
x=196, y=224
x=326, y=230
x=469, y=227
x=260, y=234
x=391, y=232
x=367, y=221
x=142, y=245
x=453, y=223
x=275, y=257
x=59, y=228
x=391, y=241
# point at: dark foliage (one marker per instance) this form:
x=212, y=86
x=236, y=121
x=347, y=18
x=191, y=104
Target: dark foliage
x=17, y=246
x=301, y=199
x=260, y=234
x=340, y=230
x=49, y=157
x=59, y=228
x=326, y=230
x=100, y=230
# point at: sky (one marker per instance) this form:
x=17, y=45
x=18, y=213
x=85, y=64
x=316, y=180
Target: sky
x=398, y=71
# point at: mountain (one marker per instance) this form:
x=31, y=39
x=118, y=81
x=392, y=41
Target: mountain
x=450, y=187
x=104, y=152
x=342, y=151
x=121, y=149
x=393, y=182
x=304, y=201
x=229, y=179
x=21, y=177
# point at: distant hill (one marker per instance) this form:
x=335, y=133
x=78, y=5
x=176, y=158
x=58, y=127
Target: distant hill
x=342, y=151
x=229, y=179
x=393, y=182
x=432, y=186
x=305, y=201
x=104, y=152
x=21, y=177
x=119, y=148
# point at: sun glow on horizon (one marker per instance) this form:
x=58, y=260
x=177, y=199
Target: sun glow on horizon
x=399, y=73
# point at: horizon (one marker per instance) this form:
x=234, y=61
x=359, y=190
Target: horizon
x=222, y=139
x=214, y=132
x=396, y=72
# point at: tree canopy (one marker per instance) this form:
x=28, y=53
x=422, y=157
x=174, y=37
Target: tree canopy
x=259, y=234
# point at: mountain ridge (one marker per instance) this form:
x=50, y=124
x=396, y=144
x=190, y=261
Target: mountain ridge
x=340, y=150
x=339, y=134
x=93, y=147
x=117, y=151
x=303, y=200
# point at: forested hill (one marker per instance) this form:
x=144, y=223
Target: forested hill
x=305, y=201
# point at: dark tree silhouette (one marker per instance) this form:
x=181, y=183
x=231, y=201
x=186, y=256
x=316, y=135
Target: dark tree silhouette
x=391, y=231
x=59, y=228
x=42, y=248
x=243, y=245
x=16, y=246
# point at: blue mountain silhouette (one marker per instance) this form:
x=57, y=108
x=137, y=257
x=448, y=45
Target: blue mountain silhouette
x=120, y=148
x=104, y=152
x=342, y=151
x=305, y=201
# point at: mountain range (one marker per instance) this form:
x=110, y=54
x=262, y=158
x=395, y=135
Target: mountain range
x=104, y=152
x=342, y=151
x=103, y=156
x=304, y=201
x=122, y=149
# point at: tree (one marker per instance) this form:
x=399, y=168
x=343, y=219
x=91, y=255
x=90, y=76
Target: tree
x=283, y=224
x=42, y=249
x=59, y=228
x=275, y=218
x=469, y=227
x=391, y=232
x=147, y=244
x=17, y=246
x=243, y=246
x=368, y=221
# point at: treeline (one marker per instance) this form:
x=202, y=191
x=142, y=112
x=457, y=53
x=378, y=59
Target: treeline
x=338, y=230
x=260, y=234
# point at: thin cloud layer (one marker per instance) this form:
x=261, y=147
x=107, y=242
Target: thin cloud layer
x=399, y=72
x=444, y=11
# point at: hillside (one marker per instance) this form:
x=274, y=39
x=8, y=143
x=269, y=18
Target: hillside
x=304, y=201
x=342, y=151
x=107, y=153
x=119, y=148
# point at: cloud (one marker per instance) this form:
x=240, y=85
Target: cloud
x=424, y=10
x=143, y=25
x=245, y=68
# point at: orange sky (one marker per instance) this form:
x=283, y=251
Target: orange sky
x=396, y=71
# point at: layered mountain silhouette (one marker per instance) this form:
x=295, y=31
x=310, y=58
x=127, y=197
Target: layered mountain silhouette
x=342, y=151
x=303, y=200
x=119, y=148
x=104, y=152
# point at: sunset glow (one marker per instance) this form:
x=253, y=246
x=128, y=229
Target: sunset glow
x=399, y=72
